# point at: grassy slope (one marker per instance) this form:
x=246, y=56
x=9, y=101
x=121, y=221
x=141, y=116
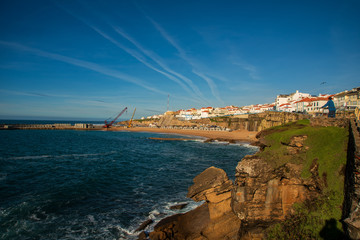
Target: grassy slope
x=328, y=146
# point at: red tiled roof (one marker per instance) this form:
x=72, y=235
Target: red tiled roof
x=285, y=104
x=306, y=100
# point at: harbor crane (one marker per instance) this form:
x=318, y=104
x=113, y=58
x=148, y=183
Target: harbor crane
x=107, y=125
x=130, y=123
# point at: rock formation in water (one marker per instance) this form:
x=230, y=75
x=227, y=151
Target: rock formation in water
x=214, y=219
x=263, y=194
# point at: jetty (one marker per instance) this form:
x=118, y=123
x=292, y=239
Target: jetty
x=55, y=126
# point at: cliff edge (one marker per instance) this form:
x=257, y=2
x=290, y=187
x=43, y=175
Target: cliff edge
x=293, y=188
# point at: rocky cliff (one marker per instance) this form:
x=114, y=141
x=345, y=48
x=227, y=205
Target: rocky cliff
x=213, y=220
x=255, y=122
x=302, y=163
x=264, y=195
x=251, y=122
x=299, y=163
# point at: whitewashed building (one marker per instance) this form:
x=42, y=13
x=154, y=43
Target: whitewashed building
x=289, y=98
x=312, y=105
x=302, y=104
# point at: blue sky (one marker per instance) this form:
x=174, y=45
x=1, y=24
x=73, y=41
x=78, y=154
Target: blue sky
x=80, y=59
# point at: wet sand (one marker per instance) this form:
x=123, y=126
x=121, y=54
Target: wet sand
x=237, y=135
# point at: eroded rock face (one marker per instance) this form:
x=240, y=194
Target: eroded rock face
x=327, y=122
x=211, y=183
x=214, y=187
x=182, y=226
x=213, y=220
x=271, y=119
x=263, y=195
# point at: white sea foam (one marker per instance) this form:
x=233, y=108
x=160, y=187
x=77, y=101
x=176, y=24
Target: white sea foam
x=190, y=137
x=76, y=155
x=127, y=231
x=164, y=210
x=220, y=142
x=31, y=157
x=250, y=146
x=153, y=214
x=123, y=233
x=170, y=204
x=91, y=218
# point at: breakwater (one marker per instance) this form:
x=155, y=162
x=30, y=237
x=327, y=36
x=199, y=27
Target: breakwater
x=59, y=126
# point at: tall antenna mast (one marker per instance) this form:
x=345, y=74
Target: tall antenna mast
x=168, y=103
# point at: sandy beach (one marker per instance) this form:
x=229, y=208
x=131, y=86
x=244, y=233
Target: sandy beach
x=237, y=135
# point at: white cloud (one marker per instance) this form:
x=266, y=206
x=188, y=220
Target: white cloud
x=252, y=70
x=84, y=64
x=167, y=72
x=211, y=84
x=153, y=56
x=187, y=59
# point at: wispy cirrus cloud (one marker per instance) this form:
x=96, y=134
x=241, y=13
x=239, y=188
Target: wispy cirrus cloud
x=102, y=104
x=168, y=38
x=154, y=57
x=142, y=56
x=30, y=94
x=84, y=64
x=89, y=100
x=187, y=59
x=211, y=84
x=251, y=69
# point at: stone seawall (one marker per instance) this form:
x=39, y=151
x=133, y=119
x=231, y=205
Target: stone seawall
x=56, y=126
x=351, y=209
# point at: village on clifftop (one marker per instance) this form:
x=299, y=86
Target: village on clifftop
x=298, y=102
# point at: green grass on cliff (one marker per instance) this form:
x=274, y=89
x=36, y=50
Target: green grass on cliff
x=326, y=146
x=219, y=119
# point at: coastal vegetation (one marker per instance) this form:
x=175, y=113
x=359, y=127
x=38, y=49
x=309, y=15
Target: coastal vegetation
x=219, y=119
x=293, y=188
x=321, y=151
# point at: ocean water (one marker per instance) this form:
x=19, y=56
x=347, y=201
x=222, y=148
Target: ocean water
x=66, y=184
